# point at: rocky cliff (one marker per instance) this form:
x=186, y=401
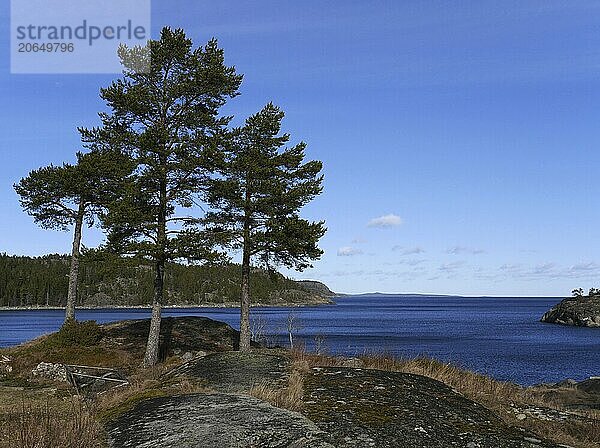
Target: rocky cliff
x=582, y=311
x=315, y=287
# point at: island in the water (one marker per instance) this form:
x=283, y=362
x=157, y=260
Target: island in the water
x=579, y=310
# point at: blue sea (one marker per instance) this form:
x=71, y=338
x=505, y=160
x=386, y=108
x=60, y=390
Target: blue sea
x=499, y=336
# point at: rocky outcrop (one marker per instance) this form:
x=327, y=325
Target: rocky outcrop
x=571, y=395
x=581, y=311
x=235, y=371
x=178, y=336
x=342, y=407
x=363, y=408
x=590, y=386
x=5, y=365
x=213, y=421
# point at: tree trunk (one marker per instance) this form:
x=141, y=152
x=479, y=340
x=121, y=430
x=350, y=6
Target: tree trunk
x=245, y=301
x=74, y=271
x=151, y=356
x=245, y=293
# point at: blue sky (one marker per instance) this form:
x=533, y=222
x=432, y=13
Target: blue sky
x=460, y=139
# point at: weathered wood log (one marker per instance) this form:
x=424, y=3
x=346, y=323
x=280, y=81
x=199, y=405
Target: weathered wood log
x=88, y=377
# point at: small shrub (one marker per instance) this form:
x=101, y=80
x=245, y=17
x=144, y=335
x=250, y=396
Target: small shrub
x=85, y=334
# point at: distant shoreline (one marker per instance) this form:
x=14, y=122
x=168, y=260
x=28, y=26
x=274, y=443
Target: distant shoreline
x=321, y=301
x=327, y=301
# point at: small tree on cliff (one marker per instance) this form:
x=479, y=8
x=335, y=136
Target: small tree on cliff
x=256, y=199
x=61, y=197
x=165, y=119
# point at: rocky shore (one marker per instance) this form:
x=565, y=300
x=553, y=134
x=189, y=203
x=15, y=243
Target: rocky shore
x=341, y=407
x=580, y=311
x=207, y=394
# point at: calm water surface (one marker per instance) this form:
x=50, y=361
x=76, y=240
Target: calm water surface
x=498, y=336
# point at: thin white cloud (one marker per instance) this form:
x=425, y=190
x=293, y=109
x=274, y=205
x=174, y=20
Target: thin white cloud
x=547, y=271
x=457, y=250
x=450, y=268
x=383, y=274
x=348, y=251
x=385, y=221
x=408, y=250
x=585, y=267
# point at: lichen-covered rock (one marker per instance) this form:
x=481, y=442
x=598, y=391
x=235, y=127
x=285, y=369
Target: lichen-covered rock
x=49, y=371
x=578, y=311
x=183, y=334
x=213, y=421
x=590, y=386
x=342, y=407
x=236, y=371
x=373, y=408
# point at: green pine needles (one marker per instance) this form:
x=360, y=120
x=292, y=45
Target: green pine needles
x=256, y=197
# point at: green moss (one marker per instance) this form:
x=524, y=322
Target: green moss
x=360, y=414
x=129, y=403
x=374, y=415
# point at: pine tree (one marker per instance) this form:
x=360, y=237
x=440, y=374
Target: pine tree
x=256, y=199
x=166, y=120
x=60, y=197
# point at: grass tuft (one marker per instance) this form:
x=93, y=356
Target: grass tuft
x=38, y=425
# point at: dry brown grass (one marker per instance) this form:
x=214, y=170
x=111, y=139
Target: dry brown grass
x=496, y=395
x=287, y=397
x=38, y=418
x=26, y=357
x=42, y=425
x=43, y=417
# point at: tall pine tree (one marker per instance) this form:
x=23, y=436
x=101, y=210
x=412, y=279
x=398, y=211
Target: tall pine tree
x=166, y=119
x=256, y=198
x=61, y=197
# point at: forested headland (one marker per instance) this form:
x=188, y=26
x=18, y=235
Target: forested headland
x=43, y=281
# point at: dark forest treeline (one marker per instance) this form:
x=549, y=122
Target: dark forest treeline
x=26, y=281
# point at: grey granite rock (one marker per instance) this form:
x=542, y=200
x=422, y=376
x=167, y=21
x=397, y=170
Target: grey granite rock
x=236, y=371
x=213, y=421
x=50, y=371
